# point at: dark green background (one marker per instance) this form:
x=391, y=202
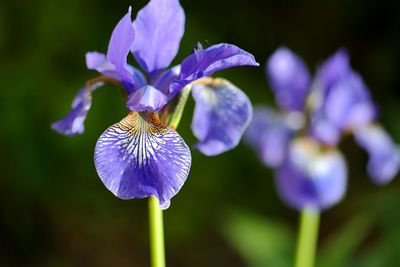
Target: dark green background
x=54, y=210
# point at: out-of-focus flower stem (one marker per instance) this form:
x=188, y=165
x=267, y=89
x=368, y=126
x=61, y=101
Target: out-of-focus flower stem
x=307, y=238
x=156, y=233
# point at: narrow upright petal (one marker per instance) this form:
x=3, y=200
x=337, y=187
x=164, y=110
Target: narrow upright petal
x=139, y=157
x=147, y=98
x=384, y=155
x=119, y=46
x=159, y=28
x=221, y=115
x=289, y=79
x=269, y=134
x=312, y=177
x=206, y=62
x=73, y=123
x=333, y=70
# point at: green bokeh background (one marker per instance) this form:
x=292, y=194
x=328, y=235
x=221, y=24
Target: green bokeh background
x=54, y=210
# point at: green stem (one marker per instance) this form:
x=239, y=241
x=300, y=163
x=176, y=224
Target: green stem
x=156, y=233
x=307, y=238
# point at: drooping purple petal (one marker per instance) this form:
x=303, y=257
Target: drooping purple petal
x=221, y=115
x=311, y=177
x=384, y=155
x=269, y=134
x=159, y=28
x=139, y=157
x=289, y=79
x=119, y=46
x=73, y=123
x=348, y=105
x=147, y=98
x=206, y=62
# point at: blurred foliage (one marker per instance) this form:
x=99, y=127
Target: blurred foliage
x=55, y=211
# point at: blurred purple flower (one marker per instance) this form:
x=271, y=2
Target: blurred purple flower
x=142, y=156
x=310, y=171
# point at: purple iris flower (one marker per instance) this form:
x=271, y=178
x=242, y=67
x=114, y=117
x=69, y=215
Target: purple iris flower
x=142, y=155
x=300, y=140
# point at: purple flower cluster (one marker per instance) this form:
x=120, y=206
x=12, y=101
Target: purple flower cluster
x=141, y=155
x=300, y=140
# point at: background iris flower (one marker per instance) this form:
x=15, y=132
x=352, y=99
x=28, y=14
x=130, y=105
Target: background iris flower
x=143, y=155
x=300, y=139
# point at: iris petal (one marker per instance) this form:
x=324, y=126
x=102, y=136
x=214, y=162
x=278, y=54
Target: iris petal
x=221, y=115
x=147, y=98
x=269, y=134
x=311, y=177
x=159, y=28
x=139, y=157
x=118, y=48
x=384, y=155
x=166, y=78
x=289, y=79
x=73, y=123
x=98, y=61
x=206, y=62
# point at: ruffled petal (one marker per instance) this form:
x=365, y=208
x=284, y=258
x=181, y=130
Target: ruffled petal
x=73, y=123
x=206, y=62
x=119, y=46
x=384, y=155
x=289, y=79
x=147, y=98
x=221, y=115
x=269, y=134
x=311, y=177
x=139, y=157
x=159, y=28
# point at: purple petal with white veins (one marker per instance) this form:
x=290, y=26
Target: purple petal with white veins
x=118, y=48
x=147, y=98
x=159, y=28
x=269, y=134
x=348, y=105
x=289, y=79
x=73, y=123
x=221, y=115
x=206, y=62
x=310, y=177
x=140, y=157
x=384, y=155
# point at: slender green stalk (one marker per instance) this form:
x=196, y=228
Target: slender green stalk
x=307, y=238
x=156, y=233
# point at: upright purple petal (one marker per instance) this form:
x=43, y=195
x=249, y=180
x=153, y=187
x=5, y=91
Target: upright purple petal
x=139, y=157
x=119, y=46
x=73, y=123
x=147, y=98
x=384, y=155
x=159, y=28
x=312, y=177
x=333, y=70
x=348, y=105
x=221, y=115
x=289, y=79
x=269, y=134
x=206, y=62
